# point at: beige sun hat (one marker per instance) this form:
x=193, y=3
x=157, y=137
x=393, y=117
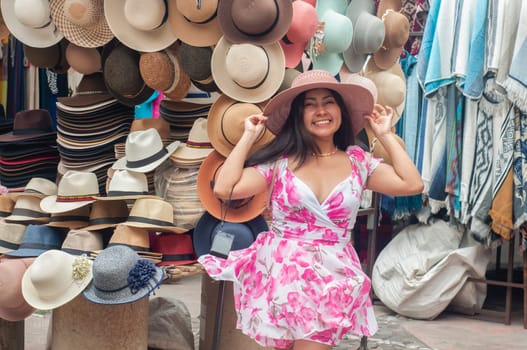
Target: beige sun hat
x=11, y=235
x=144, y=151
x=82, y=241
x=125, y=185
x=6, y=206
x=195, y=23
x=27, y=211
x=36, y=187
x=55, y=278
x=81, y=21
x=198, y=145
x=72, y=219
x=76, y=189
x=226, y=121
x=248, y=72
x=139, y=24
x=34, y=27
x=105, y=214
x=154, y=214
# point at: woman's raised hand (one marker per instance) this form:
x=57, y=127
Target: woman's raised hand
x=381, y=119
x=255, y=124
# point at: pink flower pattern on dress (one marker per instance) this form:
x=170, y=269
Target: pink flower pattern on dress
x=302, y=279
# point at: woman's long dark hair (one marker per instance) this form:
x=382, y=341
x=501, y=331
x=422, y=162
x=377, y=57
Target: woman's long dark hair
x=295, y=141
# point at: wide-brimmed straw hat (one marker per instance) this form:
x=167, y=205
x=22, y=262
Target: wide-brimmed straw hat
x=11, y=235
x=226, y=122
x=153, y=214
x=76, y=189
x=13, y=306
x=72, y=219
x=6, y=205
x=27, y=211
x=140, y=25
x=82, y=22
x=29, y=21
x=55, y=278
x=257, y=22
x=303, y=26
x=368, y=34
x=120, y=276
x=82, y=241
x=244, y=232
x=198, y=145
x=105, y=214
x=144, y=151
x=36, y=187
x=247, y=72
x=239, y=210
x=195, y=22
x=359, y=95
x=397, y=32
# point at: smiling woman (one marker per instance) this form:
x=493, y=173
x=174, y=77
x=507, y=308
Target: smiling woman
x=301, y=284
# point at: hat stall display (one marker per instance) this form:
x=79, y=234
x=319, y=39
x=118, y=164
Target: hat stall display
x=225, y=124
x=244, y=232
x=72, y=219
x=30, y=124
x=176, y=249
x=33, y=28
x=368, y=34
x=84, y=60
x=82, y=22
x=76, y=189
x=153, y=214
x=140, y=25
x=304, y=24
x=247, y=72
x=38, y=239
x=240, y=210
x=195, y=23
x=257, y=22
x=82, y=241
x=11, y=235
x=126, y=185
x=36, y=187
x=105, y=214
x=27, y=211
x=358, y=93
x=120, y=277
x=55, y=278
x=13, y=306
x=144, y=151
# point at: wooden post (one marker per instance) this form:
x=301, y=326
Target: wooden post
x=11, y=335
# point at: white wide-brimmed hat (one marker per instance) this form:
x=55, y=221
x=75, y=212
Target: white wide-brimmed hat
x=125, y=185
x=144, y=151
x=76, y=189
x=141, y=25
x=29, y=21
x=55, y=278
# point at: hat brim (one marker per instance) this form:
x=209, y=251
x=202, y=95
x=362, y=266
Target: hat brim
x=17, y=219
x=358, y=94
x=139, y=40
x=123, y=296
x=10, y=137
x=232, y=32
x=386, y=58
x=27, y=252
x=49, y=204
x=72, y=225
x=151, y=227
x=293, y=53
x=16, y=314
x=262, y=92
x=208, y=225
x=31, y=295
x=195, y=34
x=120, y=164
x=127, y=197
x=252, y=208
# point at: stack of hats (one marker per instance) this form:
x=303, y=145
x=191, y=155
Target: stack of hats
x=89, y=124
x=181, y=116
x=29, y=149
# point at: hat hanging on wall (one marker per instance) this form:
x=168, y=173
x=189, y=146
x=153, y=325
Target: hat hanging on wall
x=368, y=34
x=91, y=91
x=81, y=21
x=247, y=72
x=257, y=22
x=140, y=25
x=33, y=28
x=84, y=60
x=51, y=57
x=195, y=22
x=195, y=61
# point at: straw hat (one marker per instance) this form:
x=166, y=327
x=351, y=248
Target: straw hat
x=10, y=236
x=55, y=278
x=82, y=241
x=244, y=232
x=81, y=21
x=13, y=306
x=162, y=71
x=6, y=205
x=76, y=189
x=126, y=185
x=27, y=211
x=368, y=33
x=359, y=95
x=136, y=238
x=248, y=72
x=195, y=61
x=303, y=26
x=225, y=124
x=153, y=214
x=84, y=60
x=195, y=23
x=198, y=145
x=36, y=187
x=38, y=239
x=120, y=276
x=144, y=151
x=34, y=27
x=72, y=219
x=140, y=25
x=257, y=22
x=397, y=32
x=240, y=210
x=105, y=214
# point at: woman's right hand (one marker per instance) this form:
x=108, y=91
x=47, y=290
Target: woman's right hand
x=255, y=124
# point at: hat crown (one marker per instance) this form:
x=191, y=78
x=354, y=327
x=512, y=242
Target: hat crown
x=254, y=17
x=153, y=208
x=304, y=22
x=142, y=144
x=247, y=64
x=11, y=234
x=197, y=14
x=233, y=119
x=313, y=76
x=38, y=17
x=117, y=209
x=369, y=33
x=40, y=186
x=51, y=273
x=11, y=272
x=84, y=60
x=83, y=13
x=124, y=181
x=133, y=237
x=112, y=266
x=79, y=241
x=338, y=32
x=198, y=133
x=92, y=83
x=78, y=184
x=145, y=15
x=397, y=29
x=32, y=121
x=6, y=205
x=27, y=207
x=195, y=61
x=161, y=125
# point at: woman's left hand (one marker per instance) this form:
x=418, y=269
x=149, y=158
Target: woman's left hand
x=381, y=120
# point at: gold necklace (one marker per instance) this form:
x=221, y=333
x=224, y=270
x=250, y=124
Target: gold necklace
x=323, y=155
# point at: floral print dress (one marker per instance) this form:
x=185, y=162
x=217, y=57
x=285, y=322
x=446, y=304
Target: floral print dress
x=302, y=279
